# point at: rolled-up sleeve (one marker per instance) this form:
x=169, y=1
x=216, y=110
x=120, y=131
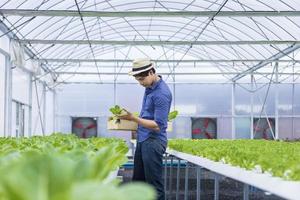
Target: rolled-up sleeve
x=161, y=111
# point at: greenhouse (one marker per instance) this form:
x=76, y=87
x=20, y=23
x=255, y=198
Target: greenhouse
x=146, y=100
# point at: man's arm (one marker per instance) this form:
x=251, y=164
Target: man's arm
x=161, y=111
x=147, y=123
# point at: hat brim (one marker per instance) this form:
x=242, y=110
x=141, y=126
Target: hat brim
x=132, y=73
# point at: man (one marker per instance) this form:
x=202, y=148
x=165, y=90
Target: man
x=152, y=124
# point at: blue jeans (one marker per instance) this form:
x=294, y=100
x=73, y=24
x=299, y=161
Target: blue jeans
x=148, y=164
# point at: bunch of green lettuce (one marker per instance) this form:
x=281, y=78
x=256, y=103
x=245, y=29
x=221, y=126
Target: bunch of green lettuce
x=118, y=111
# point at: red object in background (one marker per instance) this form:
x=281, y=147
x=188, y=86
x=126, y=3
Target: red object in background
x=203, y=128
x=85, y=127
x=262, y=129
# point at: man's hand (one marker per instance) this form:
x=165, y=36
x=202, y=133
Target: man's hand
x=147, y=123
x=128, y=116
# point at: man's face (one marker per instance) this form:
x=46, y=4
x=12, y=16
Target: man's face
x=145, y=81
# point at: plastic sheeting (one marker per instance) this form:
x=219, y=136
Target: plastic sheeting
x=49, y=123
x=201, y=100
x=20, y=85
x=237, y=27
x=17, y=54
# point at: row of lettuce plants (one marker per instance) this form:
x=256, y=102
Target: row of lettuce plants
x=64, y=167
x=276, y=158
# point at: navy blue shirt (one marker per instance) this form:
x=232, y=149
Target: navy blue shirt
x=156, y=106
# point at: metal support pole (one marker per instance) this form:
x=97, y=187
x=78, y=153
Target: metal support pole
x=170, y=177
x=165, y=180
x=186, y=181
x=178, y=179
x=174, y=87
x=115, y=86
x=198, y=168
x=44, y=109
x=8, y=98
x=216, y=196
x=293, y=100
x=276, y=101
x=252, y=104
x=293, y=117
x=233, y=110
x=30, y=107
x=246, y=192
x=54, y=110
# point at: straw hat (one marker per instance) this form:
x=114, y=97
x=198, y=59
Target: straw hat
x=140, y=65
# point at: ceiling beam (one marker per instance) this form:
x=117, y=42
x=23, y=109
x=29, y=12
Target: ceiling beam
x=176, y=73
x=158, y=43
x=168, y=82
x=61, y=60
x=73, y=13
x=261, y=64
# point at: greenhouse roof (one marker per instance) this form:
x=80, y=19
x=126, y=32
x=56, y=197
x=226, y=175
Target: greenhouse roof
x=190, y=41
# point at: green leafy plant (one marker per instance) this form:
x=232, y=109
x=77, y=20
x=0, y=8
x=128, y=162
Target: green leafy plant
x=64, y=167
x=172, y=115
x=118, y=111
x=278, y=158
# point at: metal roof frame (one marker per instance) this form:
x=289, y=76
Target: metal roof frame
x=158, y=42
x=273, y=58
x=73, y=13
x=61, y=60
x=246, y=31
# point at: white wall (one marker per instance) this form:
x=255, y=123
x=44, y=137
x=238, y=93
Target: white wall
x=49, y=126
x=196, y=100
x=2, y=94
x=203, y=99
x=20, y=93
x=20, y=85
x=20, y=90
x=95, y=100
